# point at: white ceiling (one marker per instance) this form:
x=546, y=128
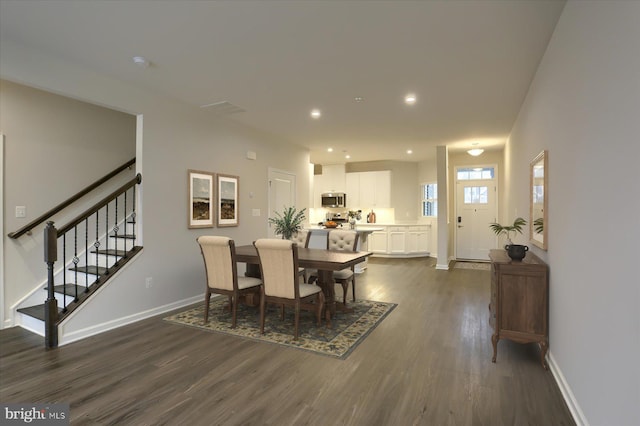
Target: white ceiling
x=469, y=62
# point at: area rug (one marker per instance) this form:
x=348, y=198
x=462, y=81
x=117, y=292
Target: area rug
x=347, y=332
x=472, y=265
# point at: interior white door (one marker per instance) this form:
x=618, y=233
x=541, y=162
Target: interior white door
x=475, y=210
x=282, y=193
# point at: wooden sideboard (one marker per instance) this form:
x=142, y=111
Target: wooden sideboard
x=519, y=308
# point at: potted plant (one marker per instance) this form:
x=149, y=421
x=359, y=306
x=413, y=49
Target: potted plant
x=287, y=223
x=515, y=251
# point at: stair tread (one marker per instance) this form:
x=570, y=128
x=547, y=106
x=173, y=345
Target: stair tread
x=91, y=269
x=69, y=289
x=111, y=252
x=125, y=236
x=36, y=311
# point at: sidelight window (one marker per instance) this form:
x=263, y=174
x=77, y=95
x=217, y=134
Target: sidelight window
x=430, y=199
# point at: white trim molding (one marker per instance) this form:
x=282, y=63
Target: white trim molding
x=66, y=338
x=565, y=389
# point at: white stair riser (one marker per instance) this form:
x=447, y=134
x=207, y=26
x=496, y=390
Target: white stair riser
x=121, y=243
x=30, y=323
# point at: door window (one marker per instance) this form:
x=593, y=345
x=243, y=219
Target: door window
x=476, y=195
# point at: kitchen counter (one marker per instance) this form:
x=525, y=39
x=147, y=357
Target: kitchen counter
x=322, y=230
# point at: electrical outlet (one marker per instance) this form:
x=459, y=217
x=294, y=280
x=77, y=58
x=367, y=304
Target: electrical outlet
x=255, y=212
x=148, y=282
x=21, y=211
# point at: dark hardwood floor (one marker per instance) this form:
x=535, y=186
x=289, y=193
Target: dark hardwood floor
x=427, y=363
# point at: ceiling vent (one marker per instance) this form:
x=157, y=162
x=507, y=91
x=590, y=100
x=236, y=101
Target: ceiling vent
x=223, y=108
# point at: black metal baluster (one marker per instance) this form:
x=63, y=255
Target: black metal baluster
x=86, y=247
x=115, y=232
x=64, y=271
x=106, y=239
x=133, y=217
x=126, y=215
x=96, y=245
x=76, y=260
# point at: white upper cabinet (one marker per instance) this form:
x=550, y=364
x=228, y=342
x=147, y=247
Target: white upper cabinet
x=332, y=179
x=368, y=190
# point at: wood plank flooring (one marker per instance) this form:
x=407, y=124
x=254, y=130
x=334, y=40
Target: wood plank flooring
x=427, y=363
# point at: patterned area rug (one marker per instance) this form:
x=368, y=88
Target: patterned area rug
x=348, y=329
x=472, y=265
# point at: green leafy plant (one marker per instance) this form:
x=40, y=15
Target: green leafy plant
x=538, y=225
x=507, y=230
x=288, y=223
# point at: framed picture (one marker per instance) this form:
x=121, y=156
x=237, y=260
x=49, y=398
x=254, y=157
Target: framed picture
x=201, y=199
x=227, y=200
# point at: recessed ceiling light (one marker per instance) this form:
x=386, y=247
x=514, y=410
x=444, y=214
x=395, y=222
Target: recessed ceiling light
x=347, y=156
x=315, y=113
x=329, y=149
x=141, y=61
x=410, y=99
x=409, y=151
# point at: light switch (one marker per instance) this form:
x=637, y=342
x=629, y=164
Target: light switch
x=21, y=211
x=255, y=212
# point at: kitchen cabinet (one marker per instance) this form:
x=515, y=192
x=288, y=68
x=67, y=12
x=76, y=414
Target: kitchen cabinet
x=400, y=240
x=396, y=240
x=368, y=190
x=332, y=179
x=519, y=303
x=378, y=242
x=417, y=239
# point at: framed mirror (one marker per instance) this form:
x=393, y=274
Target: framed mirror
x=538, y=200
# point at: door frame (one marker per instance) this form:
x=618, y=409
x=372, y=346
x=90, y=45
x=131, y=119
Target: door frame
x=496, y=179
x=270, y=171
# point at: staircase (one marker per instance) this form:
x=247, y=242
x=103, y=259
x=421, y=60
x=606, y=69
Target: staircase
x=89, y=250
x=78, y=282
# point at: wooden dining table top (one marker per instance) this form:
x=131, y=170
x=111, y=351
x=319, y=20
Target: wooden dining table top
x=328, y=260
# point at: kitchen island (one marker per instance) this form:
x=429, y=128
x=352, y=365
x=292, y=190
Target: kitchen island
x=319, y=240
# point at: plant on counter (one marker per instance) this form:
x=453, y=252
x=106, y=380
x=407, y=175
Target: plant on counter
x=517, y=226
x=355, y=214
x=287, y=223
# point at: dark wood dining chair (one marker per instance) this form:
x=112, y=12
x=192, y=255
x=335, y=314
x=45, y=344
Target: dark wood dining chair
x=219, y=254
x=341, y=240
x=279, y=268
x=344, y=240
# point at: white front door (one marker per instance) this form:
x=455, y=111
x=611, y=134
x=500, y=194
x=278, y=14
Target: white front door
x=475, y=210
x=282, y=193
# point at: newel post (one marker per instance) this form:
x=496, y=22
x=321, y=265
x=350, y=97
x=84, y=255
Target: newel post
x=51, y=305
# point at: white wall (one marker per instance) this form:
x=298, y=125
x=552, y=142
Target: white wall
x=177, y=137
x=55, y=147
x=584, y=108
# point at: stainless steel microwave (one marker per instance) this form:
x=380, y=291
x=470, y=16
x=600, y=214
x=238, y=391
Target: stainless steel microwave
x=334, y=199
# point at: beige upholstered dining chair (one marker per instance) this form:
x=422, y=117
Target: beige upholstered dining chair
x=279, y=267
x=342, y=240
x=219, y=254
x=301, y=238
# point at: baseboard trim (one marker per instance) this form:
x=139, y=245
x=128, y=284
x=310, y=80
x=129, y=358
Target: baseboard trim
x=66, y=338
x=565, y=389
x=441, y=267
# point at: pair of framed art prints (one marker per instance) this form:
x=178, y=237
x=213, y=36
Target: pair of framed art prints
x=213, y=199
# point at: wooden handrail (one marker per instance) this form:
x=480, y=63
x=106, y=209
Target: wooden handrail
x=28, y=227
x=136, y=180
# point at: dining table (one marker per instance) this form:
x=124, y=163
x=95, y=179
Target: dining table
x=325, y=261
